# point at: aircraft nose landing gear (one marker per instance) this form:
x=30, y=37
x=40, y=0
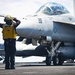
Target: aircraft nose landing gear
x=53, y=56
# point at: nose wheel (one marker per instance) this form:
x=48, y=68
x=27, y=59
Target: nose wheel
x=57, y=60
x=48, y=60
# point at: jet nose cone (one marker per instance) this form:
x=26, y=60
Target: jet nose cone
x=24, y=29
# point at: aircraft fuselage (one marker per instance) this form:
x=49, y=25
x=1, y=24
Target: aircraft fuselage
x=56, y=27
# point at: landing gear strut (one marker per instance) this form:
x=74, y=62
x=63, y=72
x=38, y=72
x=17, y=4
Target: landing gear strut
x=53, y=56
x=48, y=57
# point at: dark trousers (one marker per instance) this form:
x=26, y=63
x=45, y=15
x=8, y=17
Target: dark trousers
x=10, y=49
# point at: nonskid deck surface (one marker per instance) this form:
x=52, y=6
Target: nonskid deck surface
x=39, y=69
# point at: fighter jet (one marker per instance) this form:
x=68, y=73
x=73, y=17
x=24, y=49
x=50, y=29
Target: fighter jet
x=54, y=26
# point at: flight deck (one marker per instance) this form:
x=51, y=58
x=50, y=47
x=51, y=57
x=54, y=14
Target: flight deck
x=39, y=69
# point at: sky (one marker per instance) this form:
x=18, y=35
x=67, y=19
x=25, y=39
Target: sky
x=21, y=8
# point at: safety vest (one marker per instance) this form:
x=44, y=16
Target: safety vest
x=9, y=32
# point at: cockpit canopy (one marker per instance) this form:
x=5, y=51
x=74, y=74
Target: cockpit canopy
x=52, y=8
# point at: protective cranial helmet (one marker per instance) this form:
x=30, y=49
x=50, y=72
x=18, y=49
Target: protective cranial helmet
x=8, y=18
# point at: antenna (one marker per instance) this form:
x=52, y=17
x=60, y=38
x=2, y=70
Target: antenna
x=74, y=7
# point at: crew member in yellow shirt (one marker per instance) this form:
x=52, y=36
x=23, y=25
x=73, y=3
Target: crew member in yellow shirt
x=9, y=37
